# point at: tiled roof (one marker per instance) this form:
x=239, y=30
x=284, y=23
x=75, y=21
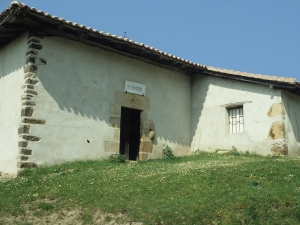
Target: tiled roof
x=202, y=68
x=253, y=75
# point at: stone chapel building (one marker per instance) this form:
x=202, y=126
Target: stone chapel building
x=69, y=92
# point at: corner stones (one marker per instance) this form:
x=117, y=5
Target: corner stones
x=24, y=129
x=23, y=144
x=30, y=68
x=26, y=151
x=111, y=146
x=276, y=110
x=27, y=111
x=28, y=104
x=31, y=138
x=132, y=101
x=276, y=131
x=23, y=165
x=279, y=149
x=33, y=121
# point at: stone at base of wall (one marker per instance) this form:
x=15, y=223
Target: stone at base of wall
x=23, y=165
x=279, y=149
x=143, y=156
x=146, y=146
x=111, y=146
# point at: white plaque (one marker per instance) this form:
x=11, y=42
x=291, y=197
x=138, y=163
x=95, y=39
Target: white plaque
x=135, y=88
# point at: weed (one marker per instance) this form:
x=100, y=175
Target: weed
x=87, y=217
x=297, y=209
x=117, y=158
x=235, y=152
x=167, y=152
x=185, y=190
x=107, y=219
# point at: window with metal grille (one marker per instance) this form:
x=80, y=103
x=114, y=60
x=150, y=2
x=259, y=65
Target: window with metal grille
x=236, y=120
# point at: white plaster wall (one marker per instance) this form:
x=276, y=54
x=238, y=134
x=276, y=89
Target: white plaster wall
x=209, y=127
x=291, y=104
x=12, y=59
x=76, y=89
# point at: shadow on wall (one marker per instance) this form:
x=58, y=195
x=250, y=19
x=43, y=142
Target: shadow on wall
x=199, y=93
x=76, y=94
x=246, y=87
x=89, y=96
x=292, y=108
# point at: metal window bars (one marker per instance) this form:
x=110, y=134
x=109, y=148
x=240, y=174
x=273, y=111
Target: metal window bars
x=236, y=120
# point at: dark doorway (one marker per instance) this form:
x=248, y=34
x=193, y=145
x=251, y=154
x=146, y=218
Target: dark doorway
x=130, y=133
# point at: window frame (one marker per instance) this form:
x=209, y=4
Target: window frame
x=236, y=119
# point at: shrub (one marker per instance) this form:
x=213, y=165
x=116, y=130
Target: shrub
x=235, y=152
x=117, y=158
x=167, y=152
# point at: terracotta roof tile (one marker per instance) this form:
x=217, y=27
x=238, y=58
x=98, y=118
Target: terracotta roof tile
x=208, y=68
x=252, y=75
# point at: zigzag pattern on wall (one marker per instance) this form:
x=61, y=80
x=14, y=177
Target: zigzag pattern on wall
x=28, y=101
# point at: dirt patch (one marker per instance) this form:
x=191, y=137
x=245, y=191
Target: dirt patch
x=6, y=177
x=74, y=216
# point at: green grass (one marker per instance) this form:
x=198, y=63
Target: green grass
x=200, y=189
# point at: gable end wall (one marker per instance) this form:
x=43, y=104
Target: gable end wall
x=12, y=61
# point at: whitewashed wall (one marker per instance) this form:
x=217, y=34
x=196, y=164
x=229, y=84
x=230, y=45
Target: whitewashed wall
x=292, y=122
x=209, y=124
x=12, y=60
x=76, y=88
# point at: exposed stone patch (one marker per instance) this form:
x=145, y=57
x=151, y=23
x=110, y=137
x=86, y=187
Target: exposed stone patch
x=27, y=111
x=23, y=144
x=30, y=75
x=143, y=156
x=144, y=115
x=276, y=131
x=111, y=146
x=30, y=92
x=26, y=151
x=28, y=87
x=35, y=60
x=31, y=138
x=35, y=46
x=23, y=165
x=115, y=110
x=33, y=40
x=147, y=125
x=33, y=121
x=279, y=149
x=24, y=129
x=31, y=52
x=276, y=110
x=144, y=136
x=26, y=97
x=117, y=134
x=146, y=146
x=115, y=121
x=30, y=68
x=31, y=81
x=29, y=103
x=132, y=101
x=24, y=158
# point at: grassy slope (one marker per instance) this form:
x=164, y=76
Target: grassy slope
x=201, y=189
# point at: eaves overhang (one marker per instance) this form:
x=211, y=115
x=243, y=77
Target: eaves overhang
x=19, y=18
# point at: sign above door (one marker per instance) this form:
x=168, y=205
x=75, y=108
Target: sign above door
x=135, y=88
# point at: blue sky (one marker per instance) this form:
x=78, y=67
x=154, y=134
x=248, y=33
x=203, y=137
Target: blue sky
x=258, y=36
